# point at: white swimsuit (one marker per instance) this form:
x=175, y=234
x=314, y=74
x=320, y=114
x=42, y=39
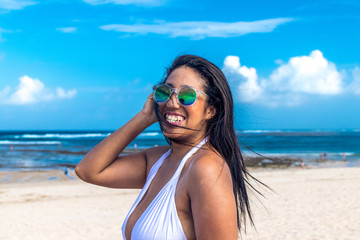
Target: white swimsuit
x=160, y=220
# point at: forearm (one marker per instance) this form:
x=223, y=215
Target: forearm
x=103, y=154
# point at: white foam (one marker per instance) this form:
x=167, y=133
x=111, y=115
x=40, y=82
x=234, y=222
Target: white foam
x=149, y=134
x=63, y=135
x=7, y=142
x=259, y=131
x=346, y=153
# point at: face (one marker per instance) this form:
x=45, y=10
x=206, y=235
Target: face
x=192, y=117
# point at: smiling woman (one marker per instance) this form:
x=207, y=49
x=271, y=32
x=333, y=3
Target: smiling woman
x=194, y=188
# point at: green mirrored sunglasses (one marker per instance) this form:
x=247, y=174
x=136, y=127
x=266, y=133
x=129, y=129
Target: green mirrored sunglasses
x=185, y=95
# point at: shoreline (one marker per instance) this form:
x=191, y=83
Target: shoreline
x=251, y=162
x=36, y=176
x=68, y=173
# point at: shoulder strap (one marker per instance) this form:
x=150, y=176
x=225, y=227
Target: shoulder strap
x=188, y=155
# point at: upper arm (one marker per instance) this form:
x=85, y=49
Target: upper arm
x=127, y=171
x=212, y=199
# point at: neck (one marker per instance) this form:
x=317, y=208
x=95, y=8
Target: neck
x=178, y=150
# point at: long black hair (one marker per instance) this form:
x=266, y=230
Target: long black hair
x=220, y=128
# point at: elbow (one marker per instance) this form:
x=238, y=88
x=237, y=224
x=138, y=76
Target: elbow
x=85, y=175
x=80, y=173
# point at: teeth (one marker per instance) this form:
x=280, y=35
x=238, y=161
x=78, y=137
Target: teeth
x=173, y=118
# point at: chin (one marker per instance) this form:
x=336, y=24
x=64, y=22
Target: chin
x=180, y=135
x=173, y=132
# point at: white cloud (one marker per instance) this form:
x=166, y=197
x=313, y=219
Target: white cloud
x=288, y=84
x=126, y=2
x=199, y=30
x=67, y=29
x=15, y=4
x=32, y=90
x=243, y=79
x=355, y=85
x=307, y=74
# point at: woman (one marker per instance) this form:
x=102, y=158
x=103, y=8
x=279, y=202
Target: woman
x=194, y=188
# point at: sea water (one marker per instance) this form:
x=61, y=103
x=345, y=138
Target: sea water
x=30, y=150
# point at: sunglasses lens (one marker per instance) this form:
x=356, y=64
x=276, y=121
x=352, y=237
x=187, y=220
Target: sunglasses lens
x=187, y=96
x=162, y=93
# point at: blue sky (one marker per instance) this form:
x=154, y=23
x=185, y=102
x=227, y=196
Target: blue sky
x=91, y=64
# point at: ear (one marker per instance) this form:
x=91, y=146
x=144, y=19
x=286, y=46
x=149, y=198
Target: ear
x=210, y=112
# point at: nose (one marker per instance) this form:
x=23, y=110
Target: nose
x=173, y=102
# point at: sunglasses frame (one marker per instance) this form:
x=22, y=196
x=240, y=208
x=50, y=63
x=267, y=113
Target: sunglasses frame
x=172, y=90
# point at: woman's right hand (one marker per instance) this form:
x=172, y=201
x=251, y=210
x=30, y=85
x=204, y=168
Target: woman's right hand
x=149, y=111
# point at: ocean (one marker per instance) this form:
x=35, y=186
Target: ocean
x=38, y=150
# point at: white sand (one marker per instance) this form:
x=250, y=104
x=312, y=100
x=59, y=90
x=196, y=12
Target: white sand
x=308, y=204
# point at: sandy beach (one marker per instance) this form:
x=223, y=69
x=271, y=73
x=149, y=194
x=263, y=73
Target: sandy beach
x=315, y=203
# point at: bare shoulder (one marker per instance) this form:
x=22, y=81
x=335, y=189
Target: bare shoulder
x=209, y=168
x=154, y=153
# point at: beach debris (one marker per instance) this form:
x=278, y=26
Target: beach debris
x=276, y=162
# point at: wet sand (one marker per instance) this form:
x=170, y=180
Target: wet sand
x=318, y=203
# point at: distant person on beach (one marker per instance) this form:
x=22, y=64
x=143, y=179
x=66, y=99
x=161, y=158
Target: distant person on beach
x=193, y=188
x=67, y=173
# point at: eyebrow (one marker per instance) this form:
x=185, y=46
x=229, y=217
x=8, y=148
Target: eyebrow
x=171, y=85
